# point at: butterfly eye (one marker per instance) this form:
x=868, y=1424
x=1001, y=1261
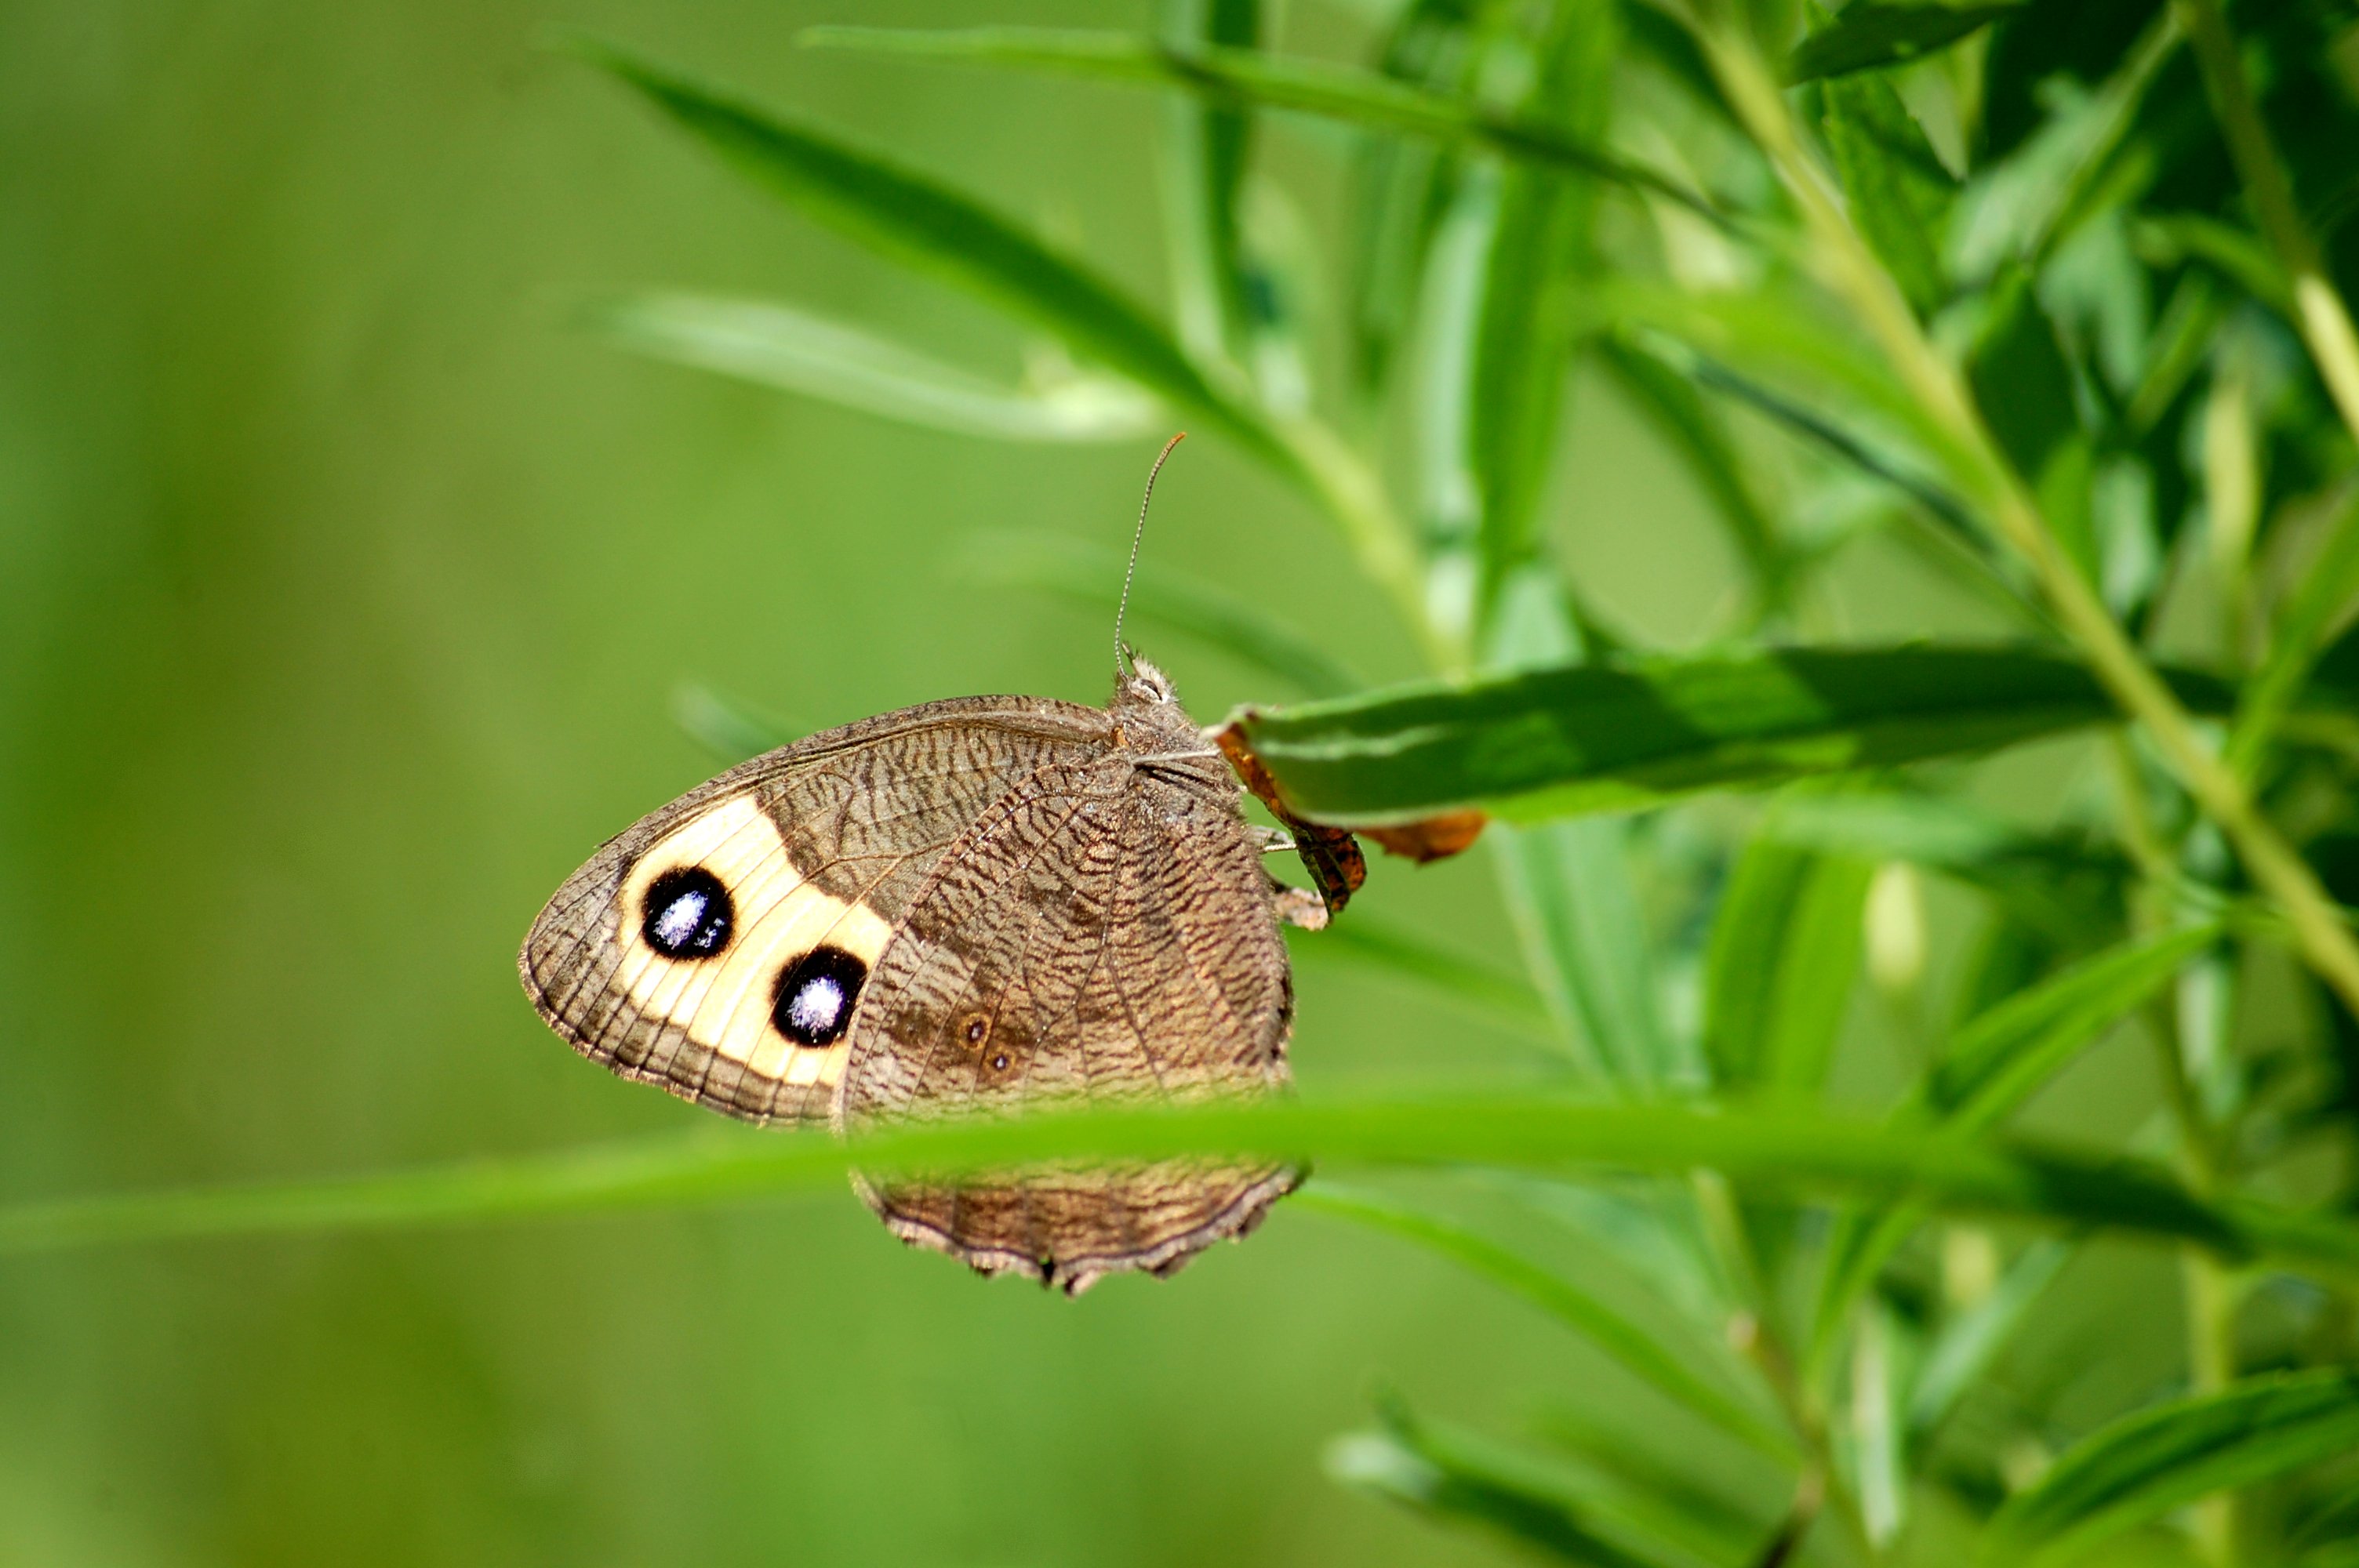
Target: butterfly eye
x=688, y=914
x=815, y=996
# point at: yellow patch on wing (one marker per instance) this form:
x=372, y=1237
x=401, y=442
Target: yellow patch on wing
x=724, y=1002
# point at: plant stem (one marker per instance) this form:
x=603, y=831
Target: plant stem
x=2319, y=310
x=1850, y=268
x=1755, y=1338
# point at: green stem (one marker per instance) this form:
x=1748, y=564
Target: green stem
x=2319, y=310
x=1849, y=267
x=1755, y=1337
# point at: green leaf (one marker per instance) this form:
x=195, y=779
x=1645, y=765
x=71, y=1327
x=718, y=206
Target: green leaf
x=777, y=345
x=936, y=229
x=1520, y=348
x=1788, y=1152
x=1991, y=1065
x=1778, y=974
x=1968, y=1344
x=1697, y=431
x=1571, y=738
x=1664, y=1368
x=1462, y=1479
x=2159, y=1459
x=1869, y=34
x=1996, y=1060
x=2323, y=592
x=1210, y=145
x=1242, y=76
x=1091, y=575
x=1899, y=193
x=2023, y=384
x=1567, y=888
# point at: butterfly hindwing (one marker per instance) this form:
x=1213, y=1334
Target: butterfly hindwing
x=1103, y=933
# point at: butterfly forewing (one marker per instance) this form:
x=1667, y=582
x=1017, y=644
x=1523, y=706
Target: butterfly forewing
x=717, y=947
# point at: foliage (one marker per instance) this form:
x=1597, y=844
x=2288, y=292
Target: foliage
x=2051, y=294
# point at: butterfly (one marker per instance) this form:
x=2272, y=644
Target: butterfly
x=976, y=906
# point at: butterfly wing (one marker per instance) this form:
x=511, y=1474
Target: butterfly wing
x=718, y=947
x=1101, y=934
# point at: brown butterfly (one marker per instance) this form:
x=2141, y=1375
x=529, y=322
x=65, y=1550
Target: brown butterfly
x=970, y=906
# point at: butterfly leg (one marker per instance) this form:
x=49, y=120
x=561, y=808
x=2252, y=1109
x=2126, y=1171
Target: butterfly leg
x=1298, y=906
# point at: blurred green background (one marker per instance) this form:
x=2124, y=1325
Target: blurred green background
x=345, y=586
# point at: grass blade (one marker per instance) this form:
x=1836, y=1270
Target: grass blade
x=1571, y=738
x=777, y=345
x=1789, y=1152
x=2159, y=1459
x=1091, y=575
x=1637, y=1350
x=2325, y=590
x=937, y=230
x=1245, y=77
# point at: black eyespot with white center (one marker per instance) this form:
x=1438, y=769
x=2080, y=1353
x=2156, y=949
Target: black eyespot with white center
x=813, y=1006
x=689, y=914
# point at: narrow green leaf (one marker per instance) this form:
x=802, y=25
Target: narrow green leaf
x=1567, y=887
x=1778, y=974
x=1793, y=343
x=1899, y=193
x=1570, y=739
x=934, y=229
x=1209, y=145
x=1091, y=575
x=1869, y=34
x=1971, y=1342
x=1363, y=939
x=1664, y=1368
x=1242, y=76
x=1787, y=1152
x=1989, y=1068
x=1995, y=1062
x=1697, y=431
x=2159, y=1459
x=2323, y=592
x=777, y=345
x=1519, y=349
x=1680, y=1502
x=2015, y=212
x=1456, y=1477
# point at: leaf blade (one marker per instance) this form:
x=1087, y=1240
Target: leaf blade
x=1568, y=739
x=2158, y=1459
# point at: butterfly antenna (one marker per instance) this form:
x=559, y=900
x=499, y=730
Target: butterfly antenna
x=1120, y=653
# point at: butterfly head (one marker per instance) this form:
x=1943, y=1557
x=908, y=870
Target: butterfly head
x=1143, y=684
